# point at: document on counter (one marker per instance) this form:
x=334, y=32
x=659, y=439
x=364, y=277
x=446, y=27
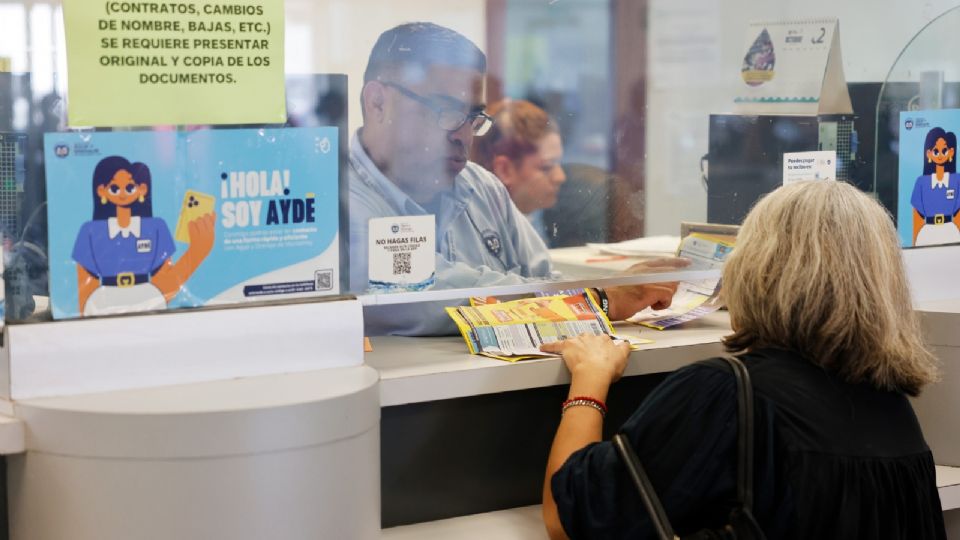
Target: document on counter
x=515, y=330
x=653, y=246
x=706, y=251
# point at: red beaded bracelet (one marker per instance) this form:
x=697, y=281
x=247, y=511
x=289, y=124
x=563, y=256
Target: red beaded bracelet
x=585, y=400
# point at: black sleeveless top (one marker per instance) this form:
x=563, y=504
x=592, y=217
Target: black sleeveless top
x=832, y=459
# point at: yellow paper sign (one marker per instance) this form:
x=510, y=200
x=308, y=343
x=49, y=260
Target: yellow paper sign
x=142, y=63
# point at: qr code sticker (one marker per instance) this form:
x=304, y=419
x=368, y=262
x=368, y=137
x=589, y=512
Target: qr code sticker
x=323, y=280
x=401, y=263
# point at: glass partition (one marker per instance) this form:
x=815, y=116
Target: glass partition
x=924, y=79
x=529, y=144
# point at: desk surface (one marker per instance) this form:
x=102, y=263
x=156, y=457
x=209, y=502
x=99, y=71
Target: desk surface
x=941, y=318
x=583, y=262
x=944, y=305
x=414, y=370
x=523, y=523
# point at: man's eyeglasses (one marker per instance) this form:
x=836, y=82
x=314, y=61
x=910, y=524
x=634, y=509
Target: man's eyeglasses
x=448, y=118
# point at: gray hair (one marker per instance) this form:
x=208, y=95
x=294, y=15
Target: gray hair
x=818, y=269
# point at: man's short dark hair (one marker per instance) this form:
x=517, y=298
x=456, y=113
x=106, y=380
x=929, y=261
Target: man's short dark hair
x=421, y=45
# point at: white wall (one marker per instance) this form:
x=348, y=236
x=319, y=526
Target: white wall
x=335, y=36
x=696, y=47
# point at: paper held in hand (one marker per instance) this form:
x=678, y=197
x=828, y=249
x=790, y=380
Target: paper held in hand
x=693, y=299
x=793, y=67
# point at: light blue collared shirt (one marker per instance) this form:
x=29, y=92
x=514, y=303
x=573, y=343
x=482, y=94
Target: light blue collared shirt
x=539, y=224
x=482, y=240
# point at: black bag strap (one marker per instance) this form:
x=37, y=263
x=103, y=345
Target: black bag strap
x=745, y=429
x=744, y=433
x=647, y=494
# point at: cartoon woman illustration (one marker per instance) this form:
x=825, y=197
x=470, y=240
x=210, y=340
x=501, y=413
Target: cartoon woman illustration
x=935, y=193
x=124, y=254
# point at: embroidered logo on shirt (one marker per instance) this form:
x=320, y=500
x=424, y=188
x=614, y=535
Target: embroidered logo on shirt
x=951, y=194
x=492, y=240
x=144, y=245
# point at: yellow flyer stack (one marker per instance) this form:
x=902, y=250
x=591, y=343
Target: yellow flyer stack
x=514, y=330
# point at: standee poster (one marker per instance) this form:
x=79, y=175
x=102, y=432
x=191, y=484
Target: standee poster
x=928, y=207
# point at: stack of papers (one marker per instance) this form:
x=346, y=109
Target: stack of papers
x=653, y=246
x=706, y=251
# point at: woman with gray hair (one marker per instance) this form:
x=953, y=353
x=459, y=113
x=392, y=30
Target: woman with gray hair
x=821, y=317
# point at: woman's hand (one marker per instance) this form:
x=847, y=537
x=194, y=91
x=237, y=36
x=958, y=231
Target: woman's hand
x=595, y=356
x=594, y=363
x=172, y=276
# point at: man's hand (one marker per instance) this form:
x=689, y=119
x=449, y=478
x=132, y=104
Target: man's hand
x=659, y=265
x=629, y=299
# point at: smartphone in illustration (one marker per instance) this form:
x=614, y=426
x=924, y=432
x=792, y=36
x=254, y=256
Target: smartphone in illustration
x=195, y=204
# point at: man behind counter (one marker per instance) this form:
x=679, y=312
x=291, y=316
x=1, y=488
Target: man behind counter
x=423, y=103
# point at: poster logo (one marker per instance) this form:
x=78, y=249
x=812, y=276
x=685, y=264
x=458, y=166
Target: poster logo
x=324, y=145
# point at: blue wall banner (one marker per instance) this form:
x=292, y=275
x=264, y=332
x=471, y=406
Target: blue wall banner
x=141, y=221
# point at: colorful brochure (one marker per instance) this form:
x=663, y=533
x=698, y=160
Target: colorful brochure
x=141, y=221
x=515, y=330
x=706, y=251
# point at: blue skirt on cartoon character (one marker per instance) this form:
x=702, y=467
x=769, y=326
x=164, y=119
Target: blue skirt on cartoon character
x=937, y=203
x=123, y=260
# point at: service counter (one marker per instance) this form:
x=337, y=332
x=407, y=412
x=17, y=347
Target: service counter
x=415, y=370
x=251, y=423
x=464, y=435
x=464, y=438
x=461, y=443
x=275, y=456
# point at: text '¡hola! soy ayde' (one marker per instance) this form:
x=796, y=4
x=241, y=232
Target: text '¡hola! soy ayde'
x=244, y=192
